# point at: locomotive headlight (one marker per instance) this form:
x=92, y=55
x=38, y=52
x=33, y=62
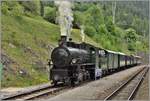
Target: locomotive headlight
x=74, y=61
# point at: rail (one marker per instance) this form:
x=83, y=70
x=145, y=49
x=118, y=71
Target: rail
x=131, y=95
x=33, y=93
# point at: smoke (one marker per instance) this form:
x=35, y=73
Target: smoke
x=82, y=33
x=65, y=17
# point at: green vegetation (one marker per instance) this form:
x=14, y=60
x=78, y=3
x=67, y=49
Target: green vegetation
x=30, y=33
x=98, y=21
x=26, y=41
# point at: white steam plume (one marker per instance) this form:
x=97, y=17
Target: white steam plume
x=65, y=17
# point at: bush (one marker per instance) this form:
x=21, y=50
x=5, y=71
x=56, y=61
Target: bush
x=103, y=29
x=131, y=35
x=50, y=14
x=12, y=8
x=109, y=24
x=94, y=16
x=31, y=6
x=131, y=46
x=90, y=31
x=79, y=18
x=4, y=8
x=18, y=10
x=82, y=6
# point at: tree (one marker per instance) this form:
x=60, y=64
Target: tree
x=109, y=24
x=12, y=8
x=131, y=38
x=90, y=31
x=50, y=14
x=131, y=35
x=94, y=17
x=31, y=6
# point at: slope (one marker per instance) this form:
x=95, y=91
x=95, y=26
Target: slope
x=26, y=45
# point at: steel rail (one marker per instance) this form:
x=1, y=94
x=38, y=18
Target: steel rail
x=138, y=85
x=33, y=96
x=123, y=85
x=28, y=92
x=51, y=91
x=35, y=93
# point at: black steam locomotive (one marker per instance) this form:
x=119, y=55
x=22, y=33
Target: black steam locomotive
x=74, y=63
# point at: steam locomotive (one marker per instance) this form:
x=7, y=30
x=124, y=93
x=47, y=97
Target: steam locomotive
x=73, y=63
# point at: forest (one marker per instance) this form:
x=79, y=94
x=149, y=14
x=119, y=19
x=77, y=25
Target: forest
x=30, y=29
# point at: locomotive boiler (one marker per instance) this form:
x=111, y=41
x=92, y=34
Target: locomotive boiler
x=68, y=56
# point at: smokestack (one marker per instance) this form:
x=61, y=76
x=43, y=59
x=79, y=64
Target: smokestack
x=65, y=18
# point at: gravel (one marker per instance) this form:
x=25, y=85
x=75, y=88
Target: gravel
x=96, y=90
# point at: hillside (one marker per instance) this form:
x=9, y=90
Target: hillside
x=26, y=45
x=30, y=32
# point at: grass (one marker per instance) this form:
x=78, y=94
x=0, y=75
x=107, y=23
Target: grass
x=23, y=33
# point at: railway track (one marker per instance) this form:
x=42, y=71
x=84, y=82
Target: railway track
x=40, y=92
x=35, y=93
x=50, y=89
x=128, y=89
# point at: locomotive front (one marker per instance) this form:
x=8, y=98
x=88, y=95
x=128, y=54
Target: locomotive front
x=60, y=57
x=66, y=61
